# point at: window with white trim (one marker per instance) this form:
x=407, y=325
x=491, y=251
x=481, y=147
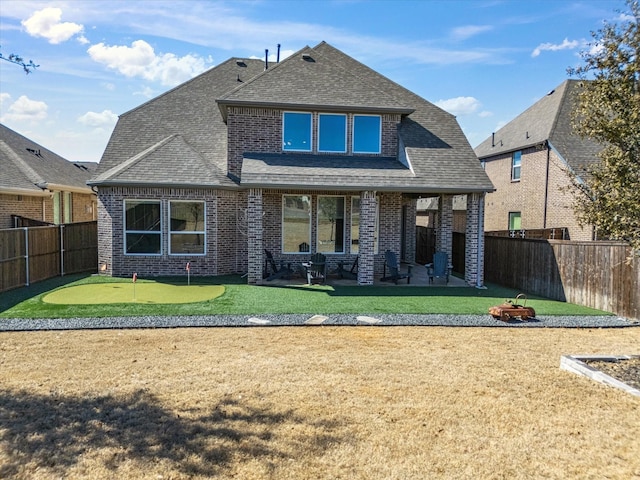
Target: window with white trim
x=330, y=224
x=296, y=131
x=355, y=225
x=187, y=227
x=142, y=227
x=296, y=223
x=367, y=133
x=332, y=132
x=515, y=221
x=516, y=163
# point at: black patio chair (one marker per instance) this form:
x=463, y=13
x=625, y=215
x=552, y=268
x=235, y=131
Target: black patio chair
x=440, y=267
x=316, y=269
x=342, y=272
x=391, y=263
x=276, y=272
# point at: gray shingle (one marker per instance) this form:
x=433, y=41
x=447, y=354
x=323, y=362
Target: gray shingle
x=27, y=165
x=549, y=119
x=441, y=158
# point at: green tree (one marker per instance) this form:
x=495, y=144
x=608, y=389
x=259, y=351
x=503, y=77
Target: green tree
x=608, y=111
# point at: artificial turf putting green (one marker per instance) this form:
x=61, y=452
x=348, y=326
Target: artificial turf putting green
x=148, y=292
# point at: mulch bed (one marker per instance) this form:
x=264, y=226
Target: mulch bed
x=627, y=371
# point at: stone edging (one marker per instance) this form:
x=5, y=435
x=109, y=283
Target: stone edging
x=577, y=364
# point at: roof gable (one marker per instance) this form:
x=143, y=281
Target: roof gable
x=311, y=79
x=171, y=160
x=547, y=120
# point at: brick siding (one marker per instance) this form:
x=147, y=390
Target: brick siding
x=528, y=195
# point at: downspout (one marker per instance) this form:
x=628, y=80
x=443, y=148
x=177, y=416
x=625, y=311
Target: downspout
x=546, y=187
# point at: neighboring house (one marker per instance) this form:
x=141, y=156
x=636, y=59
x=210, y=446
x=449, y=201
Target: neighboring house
x=40, y=185
x=529, y=160
x=317, y=153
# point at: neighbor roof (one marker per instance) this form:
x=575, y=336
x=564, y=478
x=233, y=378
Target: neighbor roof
x=549, y=119
x=28, y=168
x=435, y=154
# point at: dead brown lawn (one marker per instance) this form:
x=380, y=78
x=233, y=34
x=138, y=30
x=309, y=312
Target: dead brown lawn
x=313, y=402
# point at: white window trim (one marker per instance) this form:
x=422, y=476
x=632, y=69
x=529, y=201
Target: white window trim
x=346, y=125
x=344, y=226
x=187, y=232
x=310, y=133
x=125, y=231
x=284, y=195
x=513, y=166
x=353, y=136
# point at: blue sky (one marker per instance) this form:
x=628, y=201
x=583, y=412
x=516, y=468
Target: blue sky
x=483, y=60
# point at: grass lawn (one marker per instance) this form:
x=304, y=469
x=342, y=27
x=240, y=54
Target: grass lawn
x=240, y=298
x=374, y=403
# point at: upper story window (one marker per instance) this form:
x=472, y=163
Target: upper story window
x=367, y=133
x=332, y=132
x=296, y=131
x=516, y=160
x=142, y=227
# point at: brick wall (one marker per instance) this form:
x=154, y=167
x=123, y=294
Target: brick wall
x=528, y=195
x=260, y=130
x=221, y=233
x=23, y=205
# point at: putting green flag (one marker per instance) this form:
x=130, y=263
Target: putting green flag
x=135, y=277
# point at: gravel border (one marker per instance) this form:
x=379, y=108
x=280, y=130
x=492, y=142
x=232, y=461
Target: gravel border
x=22, y=324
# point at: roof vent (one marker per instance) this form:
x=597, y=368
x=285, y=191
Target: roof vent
x=35, y=152
x=241, y=63
x=307, y=58
x=551, y=92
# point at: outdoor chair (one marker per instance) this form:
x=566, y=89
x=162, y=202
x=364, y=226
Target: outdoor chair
x=276, y=272
x=316, y=269
x=342, y=272
x=391, y=263
x=440, y=267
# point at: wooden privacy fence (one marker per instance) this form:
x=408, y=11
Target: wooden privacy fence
x=593, y=274
x=31, y=254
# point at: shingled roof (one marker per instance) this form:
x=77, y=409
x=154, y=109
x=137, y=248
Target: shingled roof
x=547, y=120
x=435, y=155
x=27, y=168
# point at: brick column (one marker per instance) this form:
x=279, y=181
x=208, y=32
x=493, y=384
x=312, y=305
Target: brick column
x=474, y=243
x=366, y=248
x=444, y=233
x=254, y=236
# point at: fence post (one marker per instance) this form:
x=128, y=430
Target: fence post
x=62, y=250
x=26, y=254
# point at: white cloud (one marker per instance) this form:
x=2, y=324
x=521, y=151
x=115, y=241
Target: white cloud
x=24, y=109
x=104, y=119
x=140, y=60
x=460, y=105
x=108, y=86
x=146, y=92
x=4, y=97
x=485, y=114
x=46, y=23
x=462, y=33
x=566, y=44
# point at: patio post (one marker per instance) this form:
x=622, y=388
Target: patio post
x=254, y=236
x=474, y=241
x=366, y=249
x=444, y=235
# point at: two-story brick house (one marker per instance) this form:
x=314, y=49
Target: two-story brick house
x=39, y=184
x=317, y=153
x=530, y=162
